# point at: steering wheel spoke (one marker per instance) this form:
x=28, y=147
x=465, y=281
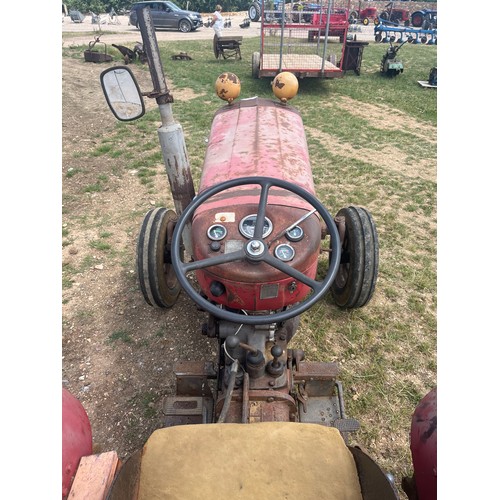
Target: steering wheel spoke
x=261, y=212
x=292, y=272
x=213, y=261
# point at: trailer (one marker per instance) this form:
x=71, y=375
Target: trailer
x=307, y=43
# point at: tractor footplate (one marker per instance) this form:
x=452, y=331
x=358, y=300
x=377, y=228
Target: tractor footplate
x=319, y=410
x=180, y=410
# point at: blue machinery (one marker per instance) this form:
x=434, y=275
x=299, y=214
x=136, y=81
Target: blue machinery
x=388, y=32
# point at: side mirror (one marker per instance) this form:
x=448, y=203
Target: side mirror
x=122, y=93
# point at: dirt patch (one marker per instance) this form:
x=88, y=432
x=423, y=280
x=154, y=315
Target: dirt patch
x=118, y=352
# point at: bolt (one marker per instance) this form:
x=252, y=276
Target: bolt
x=270, y=400
x=271, y=383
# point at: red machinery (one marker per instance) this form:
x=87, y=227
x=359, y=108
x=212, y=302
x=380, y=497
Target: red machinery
x=364, y=15
x=76, y=438
x=336, y=24
x=254, y=236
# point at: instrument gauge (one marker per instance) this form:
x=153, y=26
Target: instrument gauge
x=284, y=252
x=217, y=232
x=247, y=226
x=295, y=234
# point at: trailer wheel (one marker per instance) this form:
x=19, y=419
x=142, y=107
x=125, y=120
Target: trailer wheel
x=255, y=64
x=355, y=281
x=157, y=279
x=366, y=21
x=254, y=12
x=376, y=21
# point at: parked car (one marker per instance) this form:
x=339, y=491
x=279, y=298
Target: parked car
x=168, y=15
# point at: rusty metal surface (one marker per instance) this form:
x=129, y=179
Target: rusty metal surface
x=263, y=406
x=150, y=44
x=261, y=140
x=181, y=410
x=319, y=410
x=244, y=281
x=192, y=377
x=315, y=370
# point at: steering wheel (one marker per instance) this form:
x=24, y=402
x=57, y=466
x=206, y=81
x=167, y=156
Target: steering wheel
x=255, y=250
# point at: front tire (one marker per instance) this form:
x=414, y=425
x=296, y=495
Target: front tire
x=185, y=26
x=254, y=12
x=355, y=281
x=157, y=278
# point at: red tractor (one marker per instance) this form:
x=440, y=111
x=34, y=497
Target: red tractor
x=364, y=15
x=395, y=16
x=254, y=248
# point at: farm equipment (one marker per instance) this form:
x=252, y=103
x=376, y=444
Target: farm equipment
x=385, y=33
x=227, y=46
x=426, y=19
x=335, y=23
x=94, y=55
x=254, y=249
x=391, y=65
x=432, y=80
x=395, y=16
x=364, y=15
x=302, y=48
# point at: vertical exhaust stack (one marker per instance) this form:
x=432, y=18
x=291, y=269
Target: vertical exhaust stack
x=170, y=132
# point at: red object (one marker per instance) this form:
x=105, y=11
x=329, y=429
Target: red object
x=369, y=12
x=76, y=438
x=423, y=444
x=337, y=26
x=244, y=140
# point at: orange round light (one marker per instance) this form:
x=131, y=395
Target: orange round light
x=285, y=86
x=228, y=86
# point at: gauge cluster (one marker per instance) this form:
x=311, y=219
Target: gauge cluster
x=283, y=251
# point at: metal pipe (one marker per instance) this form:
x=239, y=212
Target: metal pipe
x=170, y=132
x=327, y=29
x=229, y=392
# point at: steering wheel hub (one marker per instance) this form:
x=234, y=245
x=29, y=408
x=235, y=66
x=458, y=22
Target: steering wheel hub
x=255, y=249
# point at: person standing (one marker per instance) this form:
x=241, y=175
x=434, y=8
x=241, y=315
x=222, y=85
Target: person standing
x=218, y=21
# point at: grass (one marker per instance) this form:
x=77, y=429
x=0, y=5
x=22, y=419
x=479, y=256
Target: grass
x=372, y=142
